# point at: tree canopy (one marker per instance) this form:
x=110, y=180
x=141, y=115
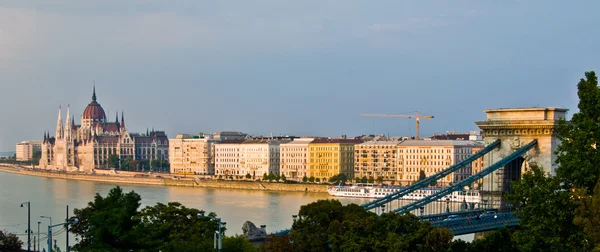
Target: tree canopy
x=9, y=242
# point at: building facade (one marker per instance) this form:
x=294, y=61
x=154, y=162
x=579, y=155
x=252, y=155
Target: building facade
x=227, y=157
x=192, y=154
x=26, y=149
x=377, y=159
x=330, y=157
x=294, y=158
x=89, y=145
x=433, y=156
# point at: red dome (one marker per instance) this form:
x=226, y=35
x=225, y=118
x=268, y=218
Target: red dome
x=94, y=111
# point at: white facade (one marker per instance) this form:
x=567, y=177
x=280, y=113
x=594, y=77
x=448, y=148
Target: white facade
x=26, y=149
x=258, y=157
x=227, y=158
x=191, y=154
x=294, y=158
x=433, y=156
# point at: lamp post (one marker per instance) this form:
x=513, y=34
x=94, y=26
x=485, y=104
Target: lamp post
x=49, y=236
x=71, y=221
x=28, y=224
x=38, y=238
x=447, y=205
x=218, y=238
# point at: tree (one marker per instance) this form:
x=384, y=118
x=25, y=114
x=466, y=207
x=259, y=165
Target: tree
x=283, y=178
x=364, y=179
x=113, y=161
x=36, y=156
x=278, y=244
x=498, y=240
x=237, y=244
x=318, y=180
x=380, y=180
x=357, y=180
x=126, y=164
x=271, y=177
x=10, y=242
x=311, y=179
x=578, y=155
x=276, y=177
x=545, y=212
x=587, y=215
x=340, y=178
x=108, y=223
x=304, y=179
x=248, y=176
x=422, y=175
x=438, y=239
x=371, y=179
x=173, y=227
x=265, y=176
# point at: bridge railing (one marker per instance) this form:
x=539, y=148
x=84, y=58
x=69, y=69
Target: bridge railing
x=457, y=186
x=473, y=225
x=427, y=181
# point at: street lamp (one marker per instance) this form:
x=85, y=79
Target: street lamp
x=39, y=238
x=28, y=224
x=218, y=234
x=49, y=236
x=71, y=221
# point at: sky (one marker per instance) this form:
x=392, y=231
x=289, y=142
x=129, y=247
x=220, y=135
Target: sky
x=289, y=67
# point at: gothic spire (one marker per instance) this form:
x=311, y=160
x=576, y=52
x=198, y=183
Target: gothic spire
x=122, y=120
x=94, y=93
x=117, y=117
x=59, y=125
x=68, y=126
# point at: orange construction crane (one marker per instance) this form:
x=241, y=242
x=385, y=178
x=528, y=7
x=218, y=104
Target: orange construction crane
x=417, y=116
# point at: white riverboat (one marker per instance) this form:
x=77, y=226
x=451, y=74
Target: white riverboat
x=373, y=191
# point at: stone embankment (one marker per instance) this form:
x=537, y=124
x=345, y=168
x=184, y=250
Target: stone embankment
x=129, y=178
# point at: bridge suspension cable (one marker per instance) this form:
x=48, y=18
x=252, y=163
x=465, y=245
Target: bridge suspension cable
x=425, y=182
x=503, y=162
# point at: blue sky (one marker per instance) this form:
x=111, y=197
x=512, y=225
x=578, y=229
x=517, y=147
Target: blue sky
x=292, y=67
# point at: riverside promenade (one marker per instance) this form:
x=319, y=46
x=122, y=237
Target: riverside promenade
x=165, y=180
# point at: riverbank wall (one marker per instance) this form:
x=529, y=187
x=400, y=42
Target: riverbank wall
x=185, y=182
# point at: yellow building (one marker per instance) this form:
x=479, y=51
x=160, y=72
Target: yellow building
x=477, y=165
x=377, y=159
x=330, y=157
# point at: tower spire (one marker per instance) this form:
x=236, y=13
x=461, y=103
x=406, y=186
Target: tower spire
x=122, y=120
x=68, y=126
x=94, y=92
x=117, y=117
x=59, y=125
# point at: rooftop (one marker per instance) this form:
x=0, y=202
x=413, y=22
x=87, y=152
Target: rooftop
x=427, y=143
x=381, y=142
x=336, y=141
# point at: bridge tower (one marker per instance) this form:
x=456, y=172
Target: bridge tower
x=516, y=127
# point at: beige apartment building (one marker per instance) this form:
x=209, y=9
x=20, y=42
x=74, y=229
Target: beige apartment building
x=26, y=149
x=377, y=159
x=227, y=157
x=192, y=154
x=294, y=158
x=432, y=156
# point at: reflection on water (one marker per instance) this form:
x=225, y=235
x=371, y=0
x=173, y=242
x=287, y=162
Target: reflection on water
x=50, y=196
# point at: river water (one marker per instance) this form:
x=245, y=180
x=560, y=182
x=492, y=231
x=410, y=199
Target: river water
x=50, y=196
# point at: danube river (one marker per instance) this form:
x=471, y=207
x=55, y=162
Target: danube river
x=49, y=197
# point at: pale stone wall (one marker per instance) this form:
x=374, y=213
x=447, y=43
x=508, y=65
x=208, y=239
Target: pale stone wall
x=516, y=128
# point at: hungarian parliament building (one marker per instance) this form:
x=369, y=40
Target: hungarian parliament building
x=89, y=145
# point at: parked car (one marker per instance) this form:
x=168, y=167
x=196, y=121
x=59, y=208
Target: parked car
x=452, y=217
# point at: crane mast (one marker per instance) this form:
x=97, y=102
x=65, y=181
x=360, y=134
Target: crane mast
x=416, y=116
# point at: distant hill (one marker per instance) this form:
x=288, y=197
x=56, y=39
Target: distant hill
x=7, y=154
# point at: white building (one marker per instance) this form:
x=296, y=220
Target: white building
x=258, y=157
x=192, y=154
x=227, y=157
x=26, y=149
x=294, y=158
x=432, y=156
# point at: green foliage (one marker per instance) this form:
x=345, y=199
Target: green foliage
x=9, y=242
x=380, y=180
x=278, y=244
x=304, y=179
x=546, y=211
x=283, y=178
x=108, y=223
x=113, y=161
x=422, y=175
x=276, y=177
x=311, y=179
x=318, y=180
x=499, y=240
x=248, y=176
x=340, y=178
x=578, y=154
x=271, y=177
x=587, y=216
x=364, y=179
x=371, y=179
x=126, y=164
x=357, y=180
x=265, y=176
x=236, y=244
x=326, y=225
